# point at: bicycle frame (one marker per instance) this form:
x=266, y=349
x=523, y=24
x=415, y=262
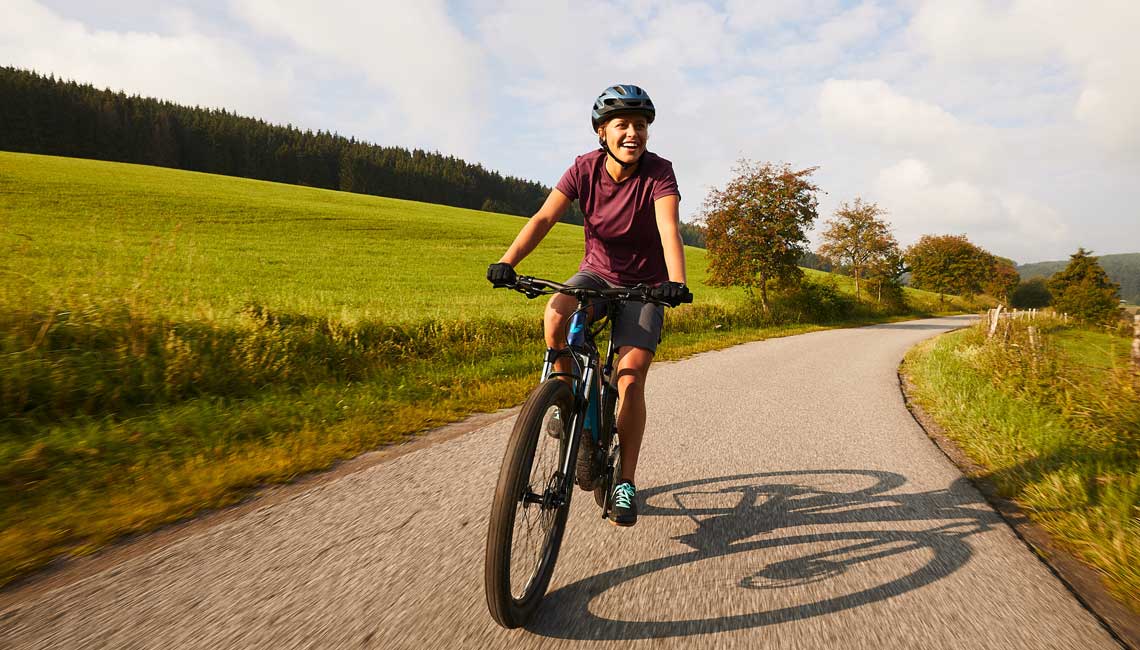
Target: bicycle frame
x=583, y=353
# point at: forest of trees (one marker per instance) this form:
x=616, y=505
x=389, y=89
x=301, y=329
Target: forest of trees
x=46, y=115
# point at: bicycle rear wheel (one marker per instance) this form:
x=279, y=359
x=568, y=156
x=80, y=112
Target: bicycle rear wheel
x=527, y=523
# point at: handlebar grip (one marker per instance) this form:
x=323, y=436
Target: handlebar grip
x=688, y=298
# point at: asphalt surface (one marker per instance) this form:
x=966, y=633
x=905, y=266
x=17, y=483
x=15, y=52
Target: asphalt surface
x=789, y=500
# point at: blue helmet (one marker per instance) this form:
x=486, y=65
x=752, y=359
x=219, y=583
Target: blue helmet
x=622, y=98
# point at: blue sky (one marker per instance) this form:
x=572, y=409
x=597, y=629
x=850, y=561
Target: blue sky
x=1016, y=122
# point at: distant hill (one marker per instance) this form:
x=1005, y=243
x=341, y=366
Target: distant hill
x=45, y=115
x=1123, y=268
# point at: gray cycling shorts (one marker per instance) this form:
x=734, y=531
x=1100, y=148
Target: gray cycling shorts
x=637, y=323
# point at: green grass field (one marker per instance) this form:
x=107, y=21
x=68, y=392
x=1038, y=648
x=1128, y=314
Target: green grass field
x=200, y=245
x=196, y=244
x=1056, y=422
x=171, y=340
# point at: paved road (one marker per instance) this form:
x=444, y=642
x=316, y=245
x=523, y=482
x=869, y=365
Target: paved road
x=790, y=502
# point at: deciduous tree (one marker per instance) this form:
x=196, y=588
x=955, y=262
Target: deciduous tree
x=948, y=264
x=756, y=227
x=1003, y=279
x=883, y=276
x=857, y=237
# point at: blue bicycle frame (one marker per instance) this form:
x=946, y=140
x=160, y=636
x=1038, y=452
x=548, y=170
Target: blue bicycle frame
x=589, y=387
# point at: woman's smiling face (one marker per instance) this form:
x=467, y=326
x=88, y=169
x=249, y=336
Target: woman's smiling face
x=626, y=136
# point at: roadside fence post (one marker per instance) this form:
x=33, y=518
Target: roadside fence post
x=1136, y=341
x=994, y=321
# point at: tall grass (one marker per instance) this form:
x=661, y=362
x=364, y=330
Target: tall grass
x=1054, y=415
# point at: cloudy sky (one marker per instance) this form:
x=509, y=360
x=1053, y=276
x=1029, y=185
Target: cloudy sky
x=1016, y=122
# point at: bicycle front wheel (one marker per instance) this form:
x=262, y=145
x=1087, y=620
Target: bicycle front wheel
x=527, y=520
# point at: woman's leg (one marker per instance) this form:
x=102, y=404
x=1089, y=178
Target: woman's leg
x=554, y=321
x=632, y=368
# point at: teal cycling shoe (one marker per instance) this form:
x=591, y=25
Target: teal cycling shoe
x=624, y=511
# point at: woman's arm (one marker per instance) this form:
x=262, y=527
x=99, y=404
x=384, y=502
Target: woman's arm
x=537, y=227
x=668, y=217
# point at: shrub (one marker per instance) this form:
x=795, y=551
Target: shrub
x=814, y=301
x=1031, y=294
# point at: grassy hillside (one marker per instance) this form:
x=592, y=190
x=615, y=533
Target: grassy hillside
x=170, y=339
x=1123, y=268
x=193, y=244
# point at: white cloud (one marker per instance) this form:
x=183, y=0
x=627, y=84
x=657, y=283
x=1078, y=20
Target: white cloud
x=688, y=35
x=1096, y=40
x=186, y=66
x=414, y=52
x=872, y=109
x=1006, y=222
x=747, y=15
x=979, y=30
x=818, y=44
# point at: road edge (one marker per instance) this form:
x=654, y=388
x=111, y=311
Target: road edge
x=1081, y=580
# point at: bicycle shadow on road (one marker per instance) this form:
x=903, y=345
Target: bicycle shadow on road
x=765, y=504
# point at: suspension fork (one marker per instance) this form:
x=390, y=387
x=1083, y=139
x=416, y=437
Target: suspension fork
x=585, y=358
x=589, y=363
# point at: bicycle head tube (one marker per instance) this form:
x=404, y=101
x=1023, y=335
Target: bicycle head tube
x=579, y=326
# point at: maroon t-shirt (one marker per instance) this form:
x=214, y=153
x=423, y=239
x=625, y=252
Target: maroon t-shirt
x=622, y=241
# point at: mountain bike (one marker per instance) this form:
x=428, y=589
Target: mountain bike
x=537, y=476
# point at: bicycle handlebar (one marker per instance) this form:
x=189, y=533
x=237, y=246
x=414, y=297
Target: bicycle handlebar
x=533, y=287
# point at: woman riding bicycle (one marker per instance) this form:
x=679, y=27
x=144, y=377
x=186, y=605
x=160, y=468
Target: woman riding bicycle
x=630, y=201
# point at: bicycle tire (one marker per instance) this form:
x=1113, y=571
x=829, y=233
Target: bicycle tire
x=514, y=477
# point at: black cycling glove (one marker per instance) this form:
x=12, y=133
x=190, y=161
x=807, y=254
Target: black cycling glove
x=501, y=274
x=672, y=293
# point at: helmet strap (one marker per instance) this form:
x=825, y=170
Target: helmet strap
x=624, y=165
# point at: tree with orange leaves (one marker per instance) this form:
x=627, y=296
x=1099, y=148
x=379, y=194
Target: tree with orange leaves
x=756, y=227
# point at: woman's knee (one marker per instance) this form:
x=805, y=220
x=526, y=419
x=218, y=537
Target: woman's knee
x=558, y=311
x=633, y=368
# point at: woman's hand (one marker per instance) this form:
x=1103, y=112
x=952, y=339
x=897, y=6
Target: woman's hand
x=501, y=274
x=672, y=293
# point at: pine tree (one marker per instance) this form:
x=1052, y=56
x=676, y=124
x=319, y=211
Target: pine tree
x=1082, y=289
x=44, y=115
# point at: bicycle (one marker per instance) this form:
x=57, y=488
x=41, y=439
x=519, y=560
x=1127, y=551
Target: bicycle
x=537, y=476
